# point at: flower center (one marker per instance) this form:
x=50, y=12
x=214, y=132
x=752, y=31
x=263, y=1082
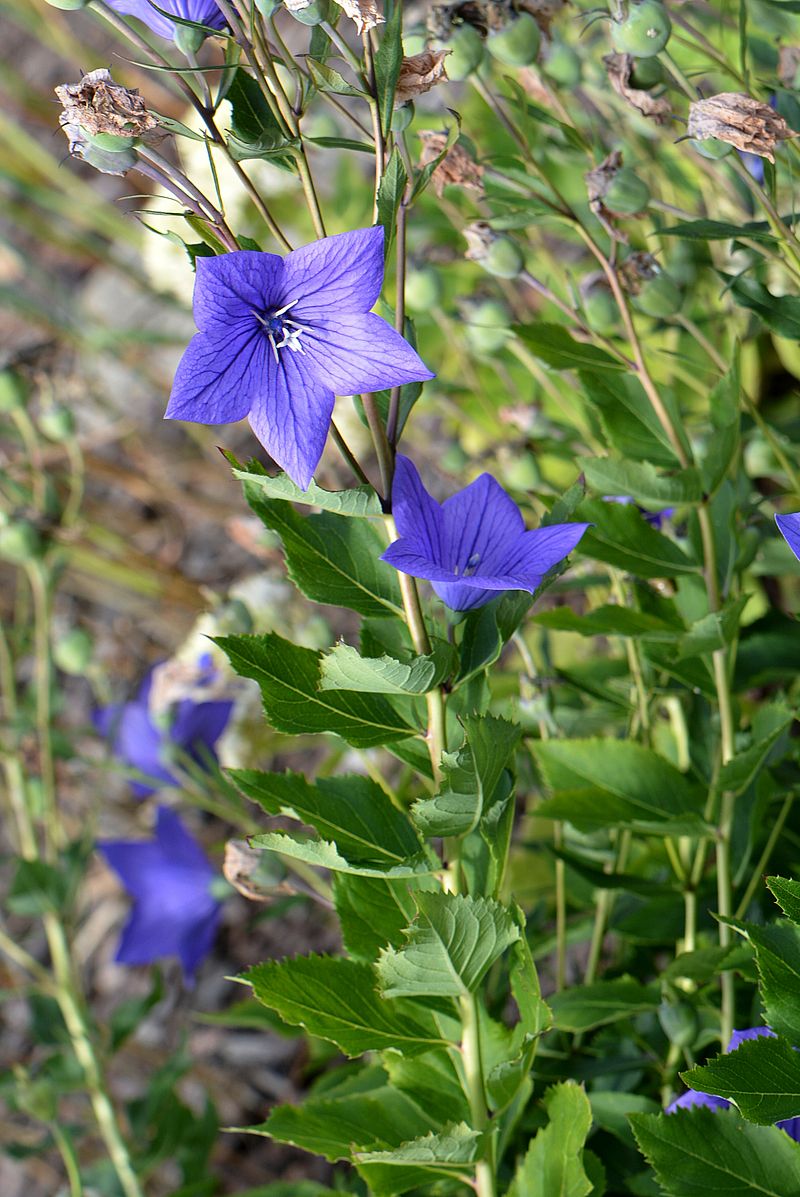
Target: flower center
x=471, y=566
x=280, y=330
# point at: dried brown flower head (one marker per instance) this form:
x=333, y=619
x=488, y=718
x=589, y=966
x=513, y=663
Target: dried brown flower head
x=99, y=105
x=638, y=268
x=740, y=120
x=419, y=74
x=363, y=12
x=620, y=68
x=599, y=179
x=456, y=167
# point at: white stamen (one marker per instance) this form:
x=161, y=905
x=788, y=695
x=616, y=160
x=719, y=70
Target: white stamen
x=275, y=348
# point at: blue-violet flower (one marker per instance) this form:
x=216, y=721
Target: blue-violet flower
x=789, y=528
x=174, y=910
x=280, y=337
x=146, y=739
x=693, y=1097
x=204, y=12
x=472, y=545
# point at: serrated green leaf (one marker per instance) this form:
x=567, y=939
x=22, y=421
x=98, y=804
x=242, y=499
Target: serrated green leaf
x=357, y=502
x=585, y=1007
x=762, y=1077
x=329, y=80
x=552, y=344
x=552, y=1166
x=337, y=1000
x=325, y=855
x=640, y=480
x=787, y=894
x=288, y=676
x=373, y=912
x=600, y=783
x=451, y=944
x=534, y=1013
x=352, y=811
x=702, y=1153
x=343, y=668
x=469, y=778
x=449, y=1153
x=777, y=949
x=610, y=1110
x=433, y=1081
x=388, y=59
x=330, y=558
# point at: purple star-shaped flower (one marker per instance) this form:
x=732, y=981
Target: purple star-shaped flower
x=145, y=742
x=693, y=1097
x=280, y=337
x=174, y=911
x=472, y=545
x=789, y=528
x=204, y=12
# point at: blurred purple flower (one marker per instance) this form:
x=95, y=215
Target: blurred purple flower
x=174, y=911
x=205, y=12
x=472, y=545
x=280, y=337
x=789, y=528
x=145, y=741
x=654, y=518
x=693, y=1097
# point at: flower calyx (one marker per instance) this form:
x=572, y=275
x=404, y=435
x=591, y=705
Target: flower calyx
x=104, y=121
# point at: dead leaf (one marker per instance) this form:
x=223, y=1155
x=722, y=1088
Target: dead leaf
x=363, y=12
x=243, y=868
x=419, y=73
x=746, y=123
x=457, y=167
x=620, y=68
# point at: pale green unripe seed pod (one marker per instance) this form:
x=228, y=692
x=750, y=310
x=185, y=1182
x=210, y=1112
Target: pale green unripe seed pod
x=658, y=296
x=110, y=143
x=57, y=423
x=423, y=289
x=188, y=40
x=711, y=147
x=402, y=117
x=313, y=13
x=487, y=327
x=626, y=194
x=645, y=30
x=503, y=258
x=562, y=65
x=20, y=542
x=517, y=43
x=467, y=51
x=600, y=309
x=68, y=5
x=73, y=651
x=13, y=393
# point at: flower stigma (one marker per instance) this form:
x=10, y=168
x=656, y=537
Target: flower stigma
x=277, y=324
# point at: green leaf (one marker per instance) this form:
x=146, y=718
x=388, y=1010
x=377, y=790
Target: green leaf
x=610, y=1110
x=552, y=1166
x=255, y=131
x=780, y=313
x=773, y=721
x=609, y=621
x=600, y=783
x=390, y=195
x=343, y=668
x=787, y=893
x=450, y=1154
x=534, y=1013
x=643, y=482
x=552, y=344
x=289, y=676
x=585, y=1007
x=352, y=811
x=329, y=80
x=715, y=630
x=451, y=944
x=717, y=230
x=335, y=1127
x=388, y=59
x=777, y=949
x=330, y=558
x=622, y=537
x=434, y=1082
x=762, y=1077
x=356, y=502
x=325, y=855
x=627, y=415
x=336, y=1000
x=373, y=912
x=469, y=778
x=702, y=1152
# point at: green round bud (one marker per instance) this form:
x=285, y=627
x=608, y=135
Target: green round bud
x=659, y=296
x=517, y=43
x=679, y=1022
x=600, y=309
x=188, y=40
x=402, y=117
x=627, y=194
x=423, y=289
x=711, y=147
x=503, y=258
x=111, y=143
x=644, y=32
x=13, y=392
x=562, y=65
x=68, y=5
x=313, y=13
x=467, y=52
x=73, y=651
x=57, y=423
x=20, y=542
x=646, y=73
x=488, y=326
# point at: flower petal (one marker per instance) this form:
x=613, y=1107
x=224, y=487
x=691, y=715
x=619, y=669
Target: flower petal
x=693, y=1097
x=459, y=596
x=343, y=273
x=179, y=847
x=417, y=515
x=229, y=287
x=219, y=376
x=789, y=526
x=480, y=523
x=362, y=353
x=536, y=552
x=292, y=414
x=200, y=724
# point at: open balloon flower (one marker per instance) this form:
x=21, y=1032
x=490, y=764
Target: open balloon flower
x=693, y=1097
x=281, y=337
x=174, y=910
x=474, y=544
x=145, y=740
x=204, y=12
x=789, y=528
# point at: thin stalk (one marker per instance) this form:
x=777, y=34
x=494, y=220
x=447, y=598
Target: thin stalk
x=561, y=908
x=383, y=450
x=605, y=905
x=485, y=1185
x=153, y=172
x=763, y=860
x=377, y=130
x=71, y=1165
x=39, y=582
x=348, y=455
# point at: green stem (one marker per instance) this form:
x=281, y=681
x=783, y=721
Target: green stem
x=485, y=1185
x=39, y=581
x=758, y=872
